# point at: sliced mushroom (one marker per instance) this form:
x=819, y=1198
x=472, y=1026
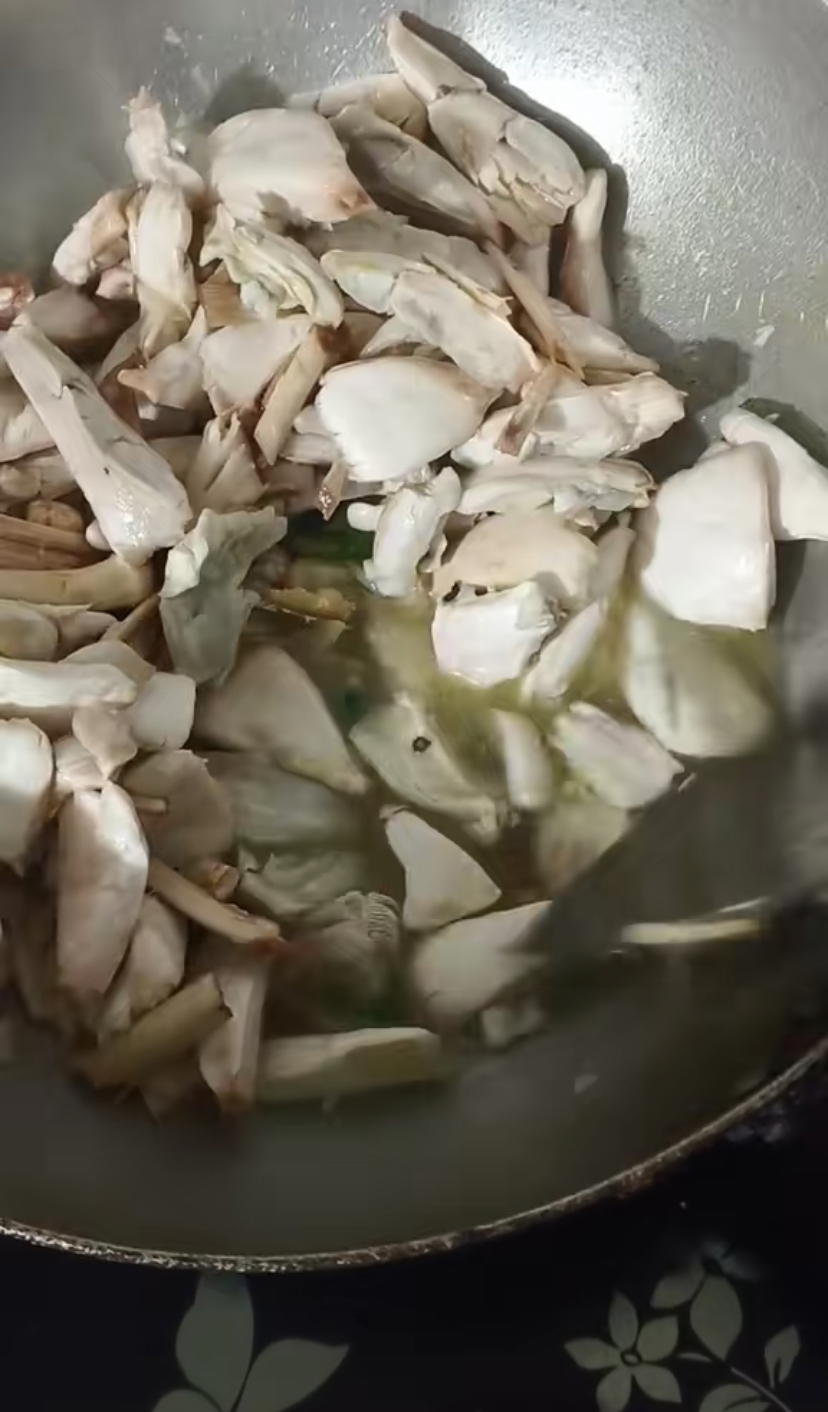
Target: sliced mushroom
x=321, y=1068
x=102, y=875
x=382, y=231
x=530, y=778
x=241, y=359
x=572, y=836
x=403, y=745
x=97, y=240
x=203, y=604
x=197, y=822
x=274, y=272
x=105, y=733
x=686, y=688
x=797, y=484
x=353, y=942
x=229, y=1057
x=464, y=319
x=529, y=174
x=387, y=95
x=442, y=883
x=152, y=969
x=276, y=809
x=461, y=969
x=26, y=774
x=222, y=475
x=134, y=495
x=152, y=153
x=505, y=550
x=705, y=549
x=159, y=242
x=491, y=639
x=391, y=416
x=285, y=163
x=584, y=279
x=407, y=526
x=174, y=376
x=624, y=765
x=22, y=432
x=301, y=735
x=405, y=175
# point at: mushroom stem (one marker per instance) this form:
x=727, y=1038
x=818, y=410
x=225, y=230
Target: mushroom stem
x=128, y=626
x=111, y=583
x=192, y=901
x=163, y=1034
x=289, y=392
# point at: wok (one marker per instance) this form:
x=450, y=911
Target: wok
x=712, y=116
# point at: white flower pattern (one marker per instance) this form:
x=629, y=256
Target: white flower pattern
x=634, y=1355
x=700, y=1287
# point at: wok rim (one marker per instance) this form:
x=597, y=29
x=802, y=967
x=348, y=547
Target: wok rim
x=621, y=1185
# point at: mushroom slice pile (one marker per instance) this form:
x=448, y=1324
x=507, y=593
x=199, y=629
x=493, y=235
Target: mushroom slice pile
x=338, y=630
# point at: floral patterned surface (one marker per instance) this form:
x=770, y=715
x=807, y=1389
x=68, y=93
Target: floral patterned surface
x=708, y=1293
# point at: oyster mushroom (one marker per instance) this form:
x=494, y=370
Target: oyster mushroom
x=529, y=174
x=401, y=742
x=442, y=882
x=241, y=359
x=196, y=822
x=381, y=232
x=159, y=242
x=505, y=550
x=797, y=484
x=325, y=1067
x=530, y=778
x=161, y=717
x=112, y=583
x=468, y=965
x=174, y=376
x=490, y=639
x=82, y=327
x=301, y=735
x=390, y=417
x=596, y=346
x=584, y=279
x=408, y=523
x=571, y=836
x=97, y=240
x=293, y=882
x=564, y=655
x=48, y=693
x=229, y=1057
x=570, y=485
x=101, y=878
x=624, y=765
x=275, y=809
x=683, y=685
x=353, y=941
x=158, y=1038
x=387, y=95
x=289, y=392
x=705, y=550
x=403, y=174
x=22, y=431
x=152, y=154
x=203, y=603
x=26, y=633
x=274, y=272
x=466, y=321
x=104, y=732
x=133, y=494
x=222, y=475
x=285, y=163
x=152, y=969
x=26, y=772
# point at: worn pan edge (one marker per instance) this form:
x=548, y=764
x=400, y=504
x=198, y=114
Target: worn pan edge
x=618, y=1187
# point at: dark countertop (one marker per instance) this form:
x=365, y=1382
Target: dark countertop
x=709, y=1290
